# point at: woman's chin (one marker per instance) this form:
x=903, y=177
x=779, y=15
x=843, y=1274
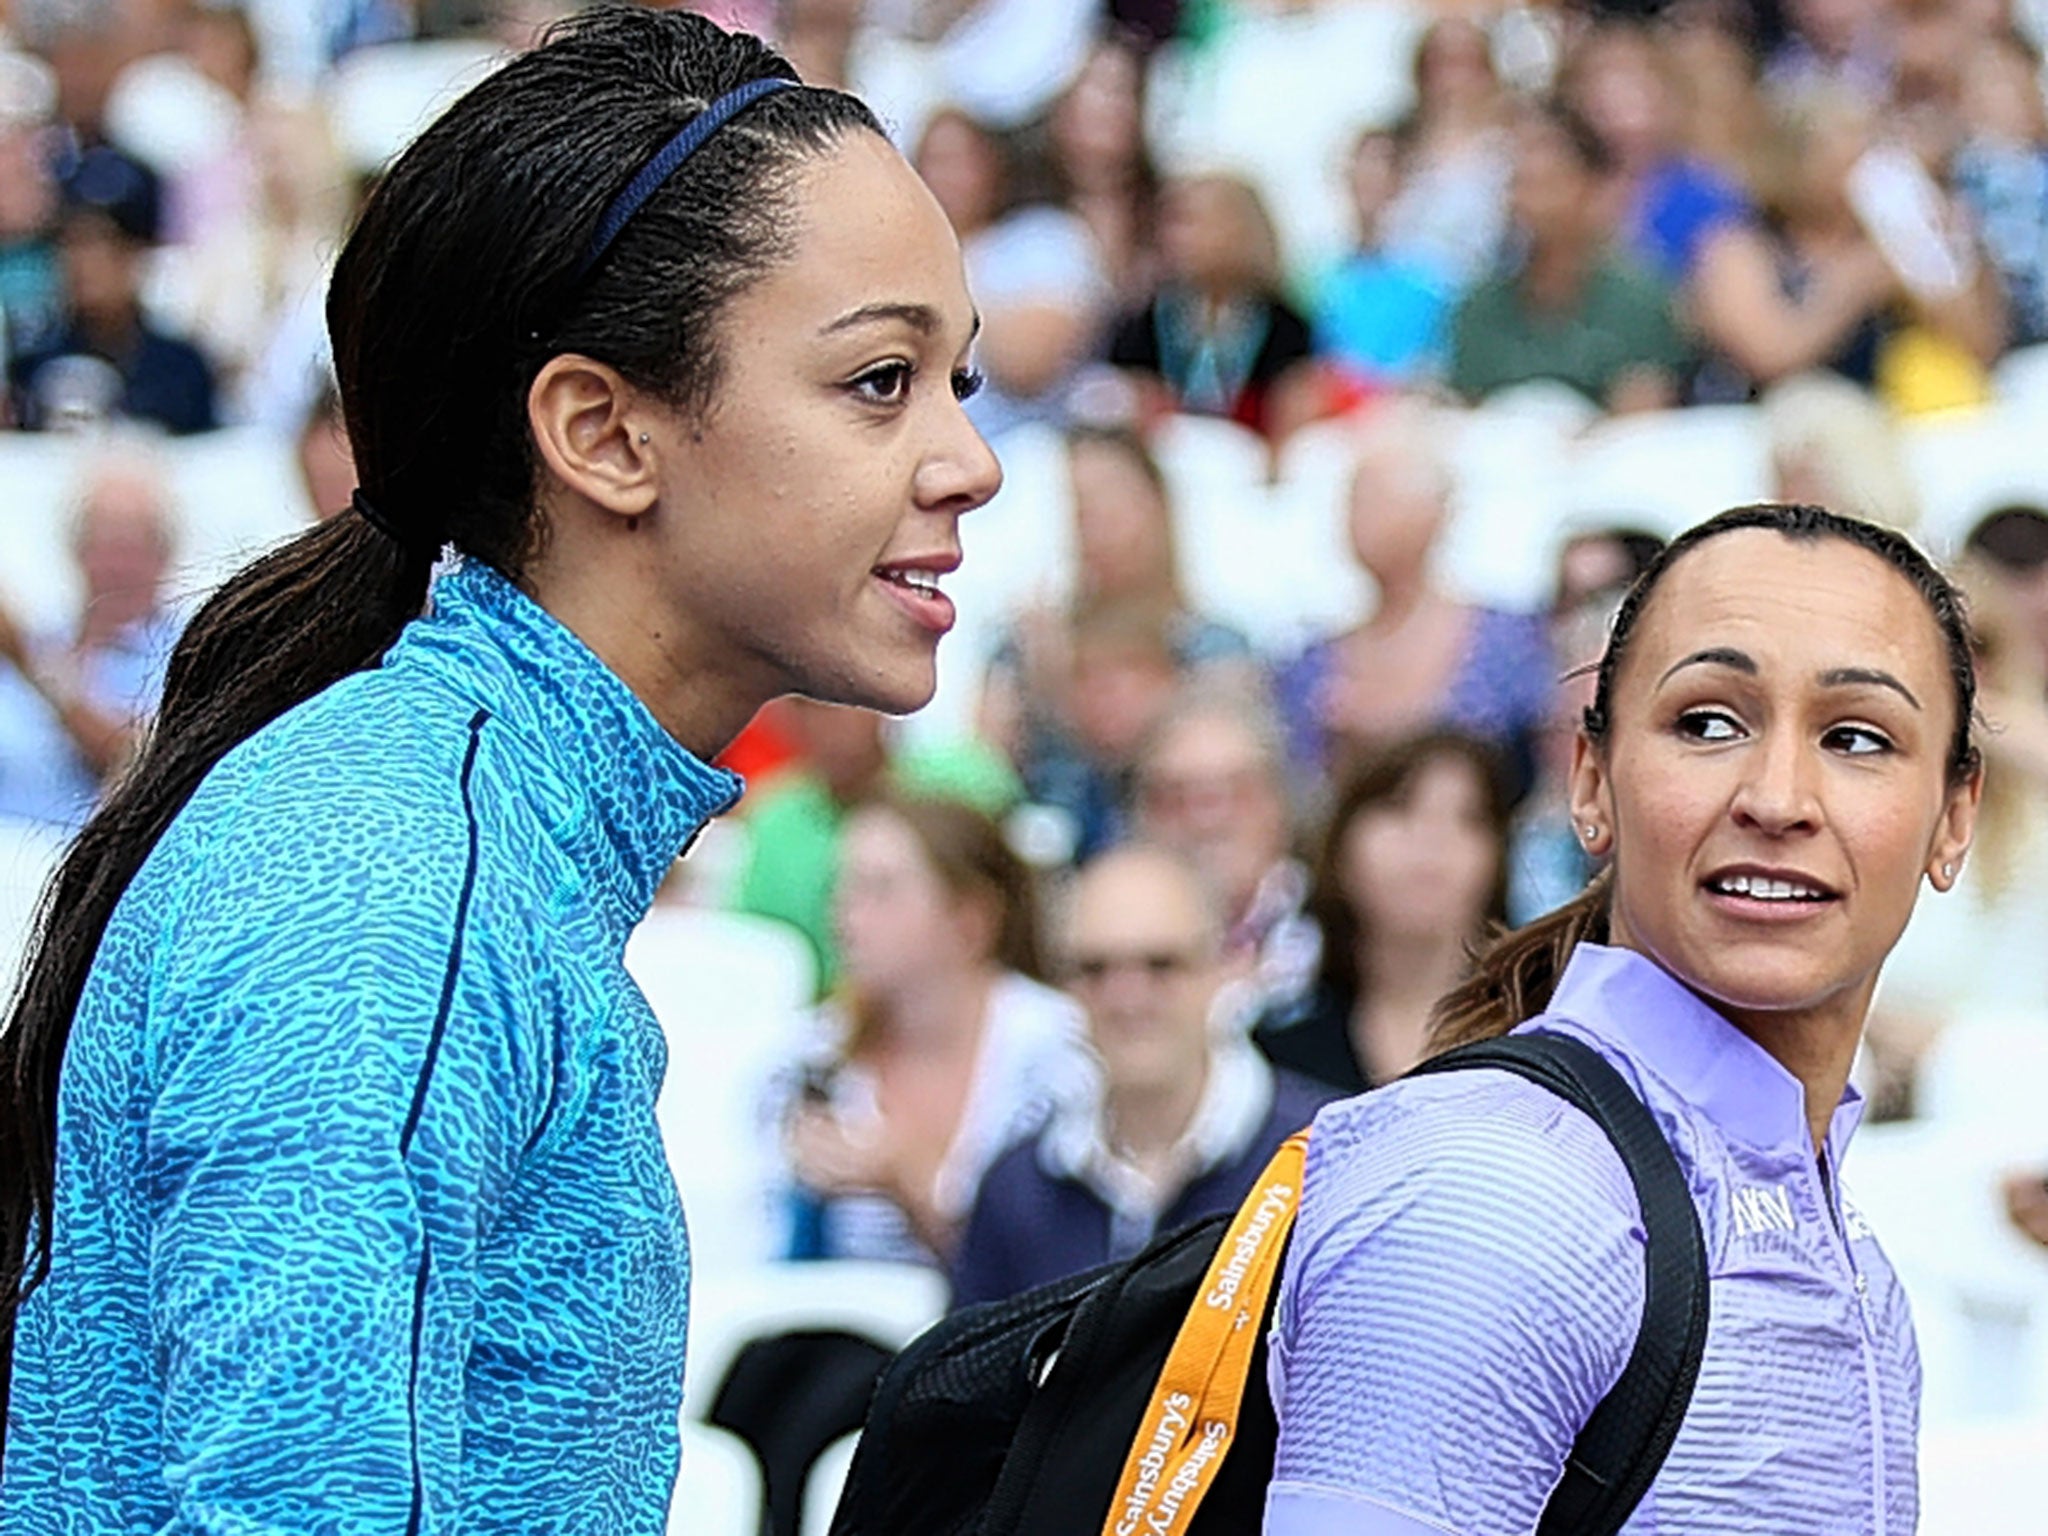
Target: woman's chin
x=1763, y=990
x=902, y=689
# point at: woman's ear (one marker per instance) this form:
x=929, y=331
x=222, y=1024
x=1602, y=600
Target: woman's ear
x=1953, y=836
x=1592, y=798
x=595, y=434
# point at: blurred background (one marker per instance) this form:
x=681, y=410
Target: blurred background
x=1347, y=359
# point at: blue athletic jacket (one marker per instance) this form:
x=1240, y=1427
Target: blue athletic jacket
x=363, y=1221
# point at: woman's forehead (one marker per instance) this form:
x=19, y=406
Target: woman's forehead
x=869, y=234
x=1799, y=604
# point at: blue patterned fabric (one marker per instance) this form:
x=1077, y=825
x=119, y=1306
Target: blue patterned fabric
x=363, y=1219
x=1466, y=1280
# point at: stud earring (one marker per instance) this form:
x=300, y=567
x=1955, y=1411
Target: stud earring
x=1591, y=831
x=1948, y=871
x=645, y=438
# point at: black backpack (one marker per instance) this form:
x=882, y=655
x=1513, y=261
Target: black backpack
x=1015, y=1418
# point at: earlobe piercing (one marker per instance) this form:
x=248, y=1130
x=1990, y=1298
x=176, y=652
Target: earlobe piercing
x=645, y=438
x=1591, y=832
x=1948, y=871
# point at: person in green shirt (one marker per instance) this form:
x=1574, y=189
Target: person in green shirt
x=794, y=821
x=1572, y=308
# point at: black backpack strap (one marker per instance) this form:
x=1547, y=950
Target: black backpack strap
x=1624, y=1442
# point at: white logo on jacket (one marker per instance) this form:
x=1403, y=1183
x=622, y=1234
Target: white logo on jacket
x=1765, y=1209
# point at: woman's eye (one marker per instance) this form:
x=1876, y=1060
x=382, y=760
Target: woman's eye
x=967, y=383
x=886, y=385
x=1857, y=740
x=1708, y=725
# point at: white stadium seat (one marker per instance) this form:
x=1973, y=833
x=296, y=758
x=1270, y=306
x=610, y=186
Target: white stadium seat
x=28, y=856
x=718, y=1492
x=1985, y=1480
x=1968, y=463
x=1665, y=470
x=1931, y=1192
x=826, y=1482
x=731, y=992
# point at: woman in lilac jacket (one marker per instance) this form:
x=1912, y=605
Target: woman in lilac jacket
x=1779, y=753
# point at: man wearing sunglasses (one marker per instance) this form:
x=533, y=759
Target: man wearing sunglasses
x=1184, y=1114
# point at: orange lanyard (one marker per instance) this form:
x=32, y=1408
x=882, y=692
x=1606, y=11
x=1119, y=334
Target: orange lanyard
x=1193, y=1411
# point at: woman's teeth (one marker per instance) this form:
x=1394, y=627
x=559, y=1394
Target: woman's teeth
x=1759, y=889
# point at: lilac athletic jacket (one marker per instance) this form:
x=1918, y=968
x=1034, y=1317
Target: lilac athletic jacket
x=1466, y=1278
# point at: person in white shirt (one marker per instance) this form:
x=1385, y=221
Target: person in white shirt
x=942, y=1046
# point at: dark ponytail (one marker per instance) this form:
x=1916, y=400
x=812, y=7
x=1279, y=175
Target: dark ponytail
x=460, y=280
x=1514, y=976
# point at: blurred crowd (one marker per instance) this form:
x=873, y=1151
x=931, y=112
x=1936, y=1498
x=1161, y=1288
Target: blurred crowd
x=1276, y=213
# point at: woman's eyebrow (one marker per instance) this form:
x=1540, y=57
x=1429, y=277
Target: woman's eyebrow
x=1867, y=677
x=922, y=318
x=1714, y=656
x=1835, y=677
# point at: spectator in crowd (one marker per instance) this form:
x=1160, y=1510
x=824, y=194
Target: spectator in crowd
x=1381, y=315
x=1186, y=1114
x=31, y=284
x=796, y=821
x=1451, y=214
x=1424, y=657
x=1411, y=875
x=1100, y=162
x=109, y=359
x=1834, y=444
x=819, y=36
x=943, y=1045
x=2026, y=1200
x=1806, y=286
x=88, y=43
x=1033, y=270
x=1834, y=47
x=1218, y=339
x=1620, y=82
x=1976, y=949
x=72, y=705
x=1931, y=45
x=1120, y=678
x=1724, y=116
x=2010, y=547
x=1129, y=601
x=1547, y=862
x=2001, y=176
x=1570, y=308
x=1211, y=786
x=327, y=465
x=253, y=208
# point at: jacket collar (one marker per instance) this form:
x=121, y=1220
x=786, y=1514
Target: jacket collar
x=1638, y=1011
x=635, y=796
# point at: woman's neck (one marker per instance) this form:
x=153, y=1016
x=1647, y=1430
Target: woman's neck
x=1556, y=272
x=939, y=1010
x=1818, y=1046
x=821, y=51
x=1403, y=981
x=108, y=616
x=1402, y=598
x=1145, y=1124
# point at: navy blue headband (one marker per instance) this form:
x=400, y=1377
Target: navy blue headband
x=673, y=154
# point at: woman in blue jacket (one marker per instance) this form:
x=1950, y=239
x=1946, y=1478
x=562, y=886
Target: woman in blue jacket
x=330, y=1169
